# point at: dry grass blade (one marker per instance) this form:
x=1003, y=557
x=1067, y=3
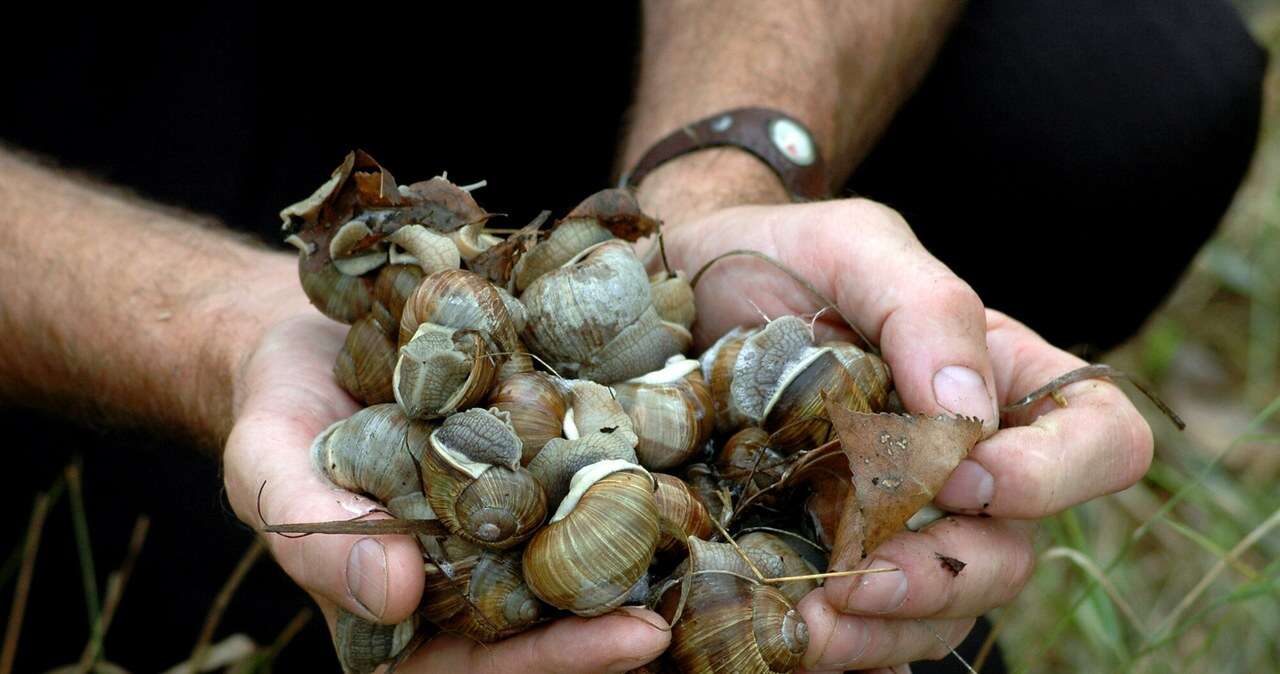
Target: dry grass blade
x=115, y=591
x=23, y=589
x=84, y=547
x=989, y=643
x=1091, y=372
x=221, y=601
x=741, y=553
x=1090, y=567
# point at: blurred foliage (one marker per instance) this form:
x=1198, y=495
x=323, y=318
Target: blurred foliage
x=1181, y=573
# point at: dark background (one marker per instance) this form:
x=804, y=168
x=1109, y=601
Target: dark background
x=1067, y=158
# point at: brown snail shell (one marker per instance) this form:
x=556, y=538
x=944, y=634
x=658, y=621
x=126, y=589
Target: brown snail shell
x=363, y=645
x=340, y=297
x=784, y=558
x=730, y=622
x=748, y=454
x=717, y=370
x=442, y=370
x=594, y=318
x=463, y=300
x=478, y=593
x=368, y=359
x=599, y=543
x=559, y=461
x=536, y=408
x=392, y=288
x=671, y=413
x=673, y=298
x=489, y=505
x=365, y=453
x=678, y=506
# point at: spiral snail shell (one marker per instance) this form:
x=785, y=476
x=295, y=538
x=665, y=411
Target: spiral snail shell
x=462, y=300
x=364, y=645
x=365, y=453
x=731, y=623
x=598, y=544
x=536, y=408
x=780, y=555
x=478, y=593
x=441, y=370
x=367, y=361
x=671, y=413
x=682, y=510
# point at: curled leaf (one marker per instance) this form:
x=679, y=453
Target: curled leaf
x=619, y=212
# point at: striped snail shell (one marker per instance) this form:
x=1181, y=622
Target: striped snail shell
x=478, y=593
x=683, y=512
x=731, y=623
x=594, y=318
x=441, y=370
x=392, y=288
x=340, y=297
x=560, y=460
x=364, y=645
x=536, y=407
x=781, y=555
x=489, y=504
x=367, y=361
x=462, y=300
x=717, y=370
x=365, y=453
x=569, y=237
x=671, y=412
x=673, y=298
x=599, y=543
x=747, y=454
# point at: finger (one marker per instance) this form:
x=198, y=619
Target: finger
x=838, y=641
x=996, y=555
x=616, y=642
x=1097, y=445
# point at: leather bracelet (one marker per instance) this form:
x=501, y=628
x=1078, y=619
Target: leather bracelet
x=775, y=138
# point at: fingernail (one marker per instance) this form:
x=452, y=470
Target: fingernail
x=878, y=592
x=367, y=576
x=848, y=641
x=962, y=391
x=969, y=488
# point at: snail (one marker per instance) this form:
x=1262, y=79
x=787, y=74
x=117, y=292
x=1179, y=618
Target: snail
x=673, y=298
x=705, y=485
x=682, y=511
x=462, y=300
x=364, y=645
x=392, y=288
x=671, y=412
x=474, y=483
x=536, y=408
x=367, y=361
x=598, y=544
x=730, y=621
x=441, y=370
x=748, y=462
x=778, y=377
x=594, y=318
x=366, y=454
x=478, y=593
x=569, y=237
x=785, y=558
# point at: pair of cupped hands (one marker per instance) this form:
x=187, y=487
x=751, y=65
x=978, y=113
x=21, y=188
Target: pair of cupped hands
x=948, y=354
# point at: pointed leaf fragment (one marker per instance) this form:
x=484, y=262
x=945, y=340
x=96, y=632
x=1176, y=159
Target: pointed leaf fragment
x=619, y=212
x=899, y=462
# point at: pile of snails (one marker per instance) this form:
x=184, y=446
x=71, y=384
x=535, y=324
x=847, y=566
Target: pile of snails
x=531, y=405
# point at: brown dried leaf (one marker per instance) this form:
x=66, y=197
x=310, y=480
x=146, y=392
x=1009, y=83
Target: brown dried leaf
x=498, y=262
x=899, y=462
x=619, y=212
x=442, y=206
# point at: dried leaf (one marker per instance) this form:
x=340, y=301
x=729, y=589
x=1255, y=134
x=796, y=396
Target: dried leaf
x=362, y=527
x=498, y=261
x=442, y=206
x=899, y=462
x=619, y=212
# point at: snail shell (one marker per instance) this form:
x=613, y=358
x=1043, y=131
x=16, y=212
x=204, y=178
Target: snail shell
x=784, y=558
x=471, y=240
x=678, y=506
x=355, y=249
x=478, y=593
x=747, y=454
x=492, y=506
x=536, y=408
x=594, y=318
x=560, y=460
x=673, y=298
x=706, y=487
x=367, y=360
x=365, y=454
x=731, y=623
x=428, y=250
x=717, y=370
x=441, y=370
x=340, y=297
x=363, y=645
x=599, y=543
x=570, y=237
x=462, y=300
x=394, y=285
x=671, y=412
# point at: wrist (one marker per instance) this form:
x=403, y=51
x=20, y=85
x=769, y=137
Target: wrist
x=699, y=183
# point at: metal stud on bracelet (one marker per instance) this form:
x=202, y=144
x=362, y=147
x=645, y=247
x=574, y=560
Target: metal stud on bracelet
x=780, y=141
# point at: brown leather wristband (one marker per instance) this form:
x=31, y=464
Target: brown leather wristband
x=772, y=136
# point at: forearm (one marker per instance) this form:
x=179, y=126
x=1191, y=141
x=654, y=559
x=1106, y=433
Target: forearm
x=842, y=68
x=125, y=312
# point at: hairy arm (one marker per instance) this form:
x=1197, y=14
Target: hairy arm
x=121, y=311
x=842, y=68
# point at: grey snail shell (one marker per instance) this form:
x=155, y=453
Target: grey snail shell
x=730, y=622
x=366, y=454
x=462, y=300
x=489, y=504
x=363, y=645
x=784, y=557
x=367, y=360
